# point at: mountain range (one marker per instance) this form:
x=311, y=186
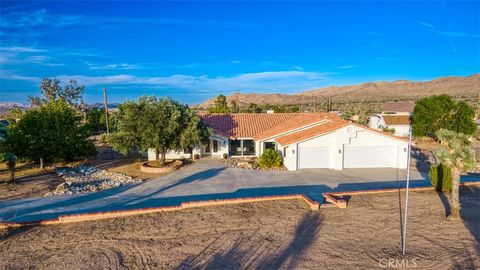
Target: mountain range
x=458, y=87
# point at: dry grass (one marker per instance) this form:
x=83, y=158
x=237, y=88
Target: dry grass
x=267, y=235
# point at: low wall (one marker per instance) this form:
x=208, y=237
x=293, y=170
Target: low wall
x=146, y=168
x=123, y=213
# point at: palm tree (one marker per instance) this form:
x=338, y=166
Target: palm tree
x=455, y=152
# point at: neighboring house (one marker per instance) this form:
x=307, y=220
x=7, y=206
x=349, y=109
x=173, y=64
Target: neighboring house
x=305, y=140
x=395, y=115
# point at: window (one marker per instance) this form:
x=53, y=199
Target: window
x=285, y=151
x=269, y=145
x=248, y=147
x=235, y=148
x=187, y=150
x=215, y=146
x=207, y=148
x=242, y=148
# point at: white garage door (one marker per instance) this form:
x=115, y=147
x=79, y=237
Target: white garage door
x=313, y=157
x=368, y=156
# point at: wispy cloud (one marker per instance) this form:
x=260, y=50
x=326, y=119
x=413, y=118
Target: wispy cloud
x=44, y=18
x=270, y=81
x=27, y=55
x=123, y=66
x=347, y=67
x=298, y=68
x=431, y=28
x=427, y=24
x=20, y=49
x=449, y=34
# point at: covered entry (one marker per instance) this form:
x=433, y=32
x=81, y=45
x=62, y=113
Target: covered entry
x=369, y=156
x=311, y=157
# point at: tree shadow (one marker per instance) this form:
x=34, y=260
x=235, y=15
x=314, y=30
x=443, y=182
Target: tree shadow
x=422, y=160
x=234, y=257
x=244, y=253
x=11, y=232
x=305, y=236
x=445, y=202
x=470, y=211
x=199, y=176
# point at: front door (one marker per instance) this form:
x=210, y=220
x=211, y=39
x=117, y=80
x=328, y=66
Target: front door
x=206, y=150
x=215, y=146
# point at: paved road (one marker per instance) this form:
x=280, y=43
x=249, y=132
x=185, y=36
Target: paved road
x=208, y=179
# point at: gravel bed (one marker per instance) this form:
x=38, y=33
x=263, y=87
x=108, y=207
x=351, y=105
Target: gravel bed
x=87, y=178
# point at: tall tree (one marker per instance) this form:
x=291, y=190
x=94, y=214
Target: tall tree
x=129, y=127
x=436, y=112
x=51, y=90
x=195, y=131
x=162, y=124
x=49, y=132
x=221, y=105
x=455, y=152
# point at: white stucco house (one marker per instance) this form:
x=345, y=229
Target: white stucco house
x=395, y=115
x=305, y=140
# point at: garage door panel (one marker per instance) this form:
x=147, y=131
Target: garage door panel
x=368, y=156
x=314, y=157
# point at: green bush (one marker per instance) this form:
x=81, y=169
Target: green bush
x=270, y=159
x=441, y=178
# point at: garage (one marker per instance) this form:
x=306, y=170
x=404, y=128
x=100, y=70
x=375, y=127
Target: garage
x=312, y=157
x=369, y=156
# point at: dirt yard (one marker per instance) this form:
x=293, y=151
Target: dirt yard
x=269, y=235
x=31, y=181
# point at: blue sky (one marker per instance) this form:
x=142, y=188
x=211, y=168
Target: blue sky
x=195, y=50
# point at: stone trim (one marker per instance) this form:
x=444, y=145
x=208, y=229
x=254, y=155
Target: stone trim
x=168, y=169
x=62, y=219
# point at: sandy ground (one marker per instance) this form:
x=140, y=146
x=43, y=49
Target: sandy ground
x=269, y=235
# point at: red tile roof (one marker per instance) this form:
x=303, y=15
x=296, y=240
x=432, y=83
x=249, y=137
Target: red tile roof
x=311, y=132
x=245, y=125
x=398, y=107
x=301, y=120
x=260, y=126
x=324, y=129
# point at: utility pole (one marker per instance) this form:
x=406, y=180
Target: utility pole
x=106, y=107
x=404, y=234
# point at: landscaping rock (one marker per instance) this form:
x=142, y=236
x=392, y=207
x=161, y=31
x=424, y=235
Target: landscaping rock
x=87, y=178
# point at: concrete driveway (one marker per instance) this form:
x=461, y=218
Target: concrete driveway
x=208, y=179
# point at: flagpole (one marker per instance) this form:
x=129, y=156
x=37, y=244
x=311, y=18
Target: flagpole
x=404, y=240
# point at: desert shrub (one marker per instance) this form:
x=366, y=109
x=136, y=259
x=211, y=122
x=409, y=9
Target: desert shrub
x=225, y=156
x=270, y=159
x=441, y=178
x=196, y=157
x=103, y=138
x=389, y=130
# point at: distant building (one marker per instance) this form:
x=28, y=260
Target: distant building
x=394, y=115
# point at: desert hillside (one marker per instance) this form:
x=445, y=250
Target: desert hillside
x=461, y=87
